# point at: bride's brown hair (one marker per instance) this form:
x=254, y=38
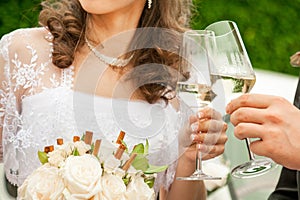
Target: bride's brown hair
x=66, y=20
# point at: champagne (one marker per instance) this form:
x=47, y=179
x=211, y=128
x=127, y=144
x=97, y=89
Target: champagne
x=199, y=95
x=195, y=95
x=234, y=86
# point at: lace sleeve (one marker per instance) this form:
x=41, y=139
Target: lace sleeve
x=4, y=88
x=8, y=107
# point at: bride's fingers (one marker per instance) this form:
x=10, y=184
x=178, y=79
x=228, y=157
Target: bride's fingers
x=209, y=113
x=207, y=151
x=209, y=138
x=205, y=138
x=211, y=151
x=209, y=126
x=206, y=113
x=213, y=126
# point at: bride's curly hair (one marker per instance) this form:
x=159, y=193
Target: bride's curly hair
x=66, y=20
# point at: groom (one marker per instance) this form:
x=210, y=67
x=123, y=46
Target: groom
x=288, y=186
x=275, y=121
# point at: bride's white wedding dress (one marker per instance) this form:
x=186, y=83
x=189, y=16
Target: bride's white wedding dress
x=38, y=105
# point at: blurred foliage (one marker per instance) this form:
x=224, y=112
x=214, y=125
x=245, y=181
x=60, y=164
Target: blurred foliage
x=270, y=29
x=18, y=14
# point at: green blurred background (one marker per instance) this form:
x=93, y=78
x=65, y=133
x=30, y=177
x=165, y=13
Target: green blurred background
x=270, y=29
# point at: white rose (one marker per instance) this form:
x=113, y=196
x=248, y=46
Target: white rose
x=120, y=172
x=57, y=157
x=111, y=163
x=132, y=171
x=137, y=189
x=67, y=147
x=44, y=183
x=82, y=176
x=218, y=170
x=107, y=149
x=81, y=147
x=113, y=187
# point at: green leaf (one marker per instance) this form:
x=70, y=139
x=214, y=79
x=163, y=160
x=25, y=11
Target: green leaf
x=82, y=137
x=139, y=149
x=155, y=169
x=140, y=162
x=92, y=147
x=126, y=180
x=146, y=150
x=43, y=157
x=149, y=181
x=75, y=152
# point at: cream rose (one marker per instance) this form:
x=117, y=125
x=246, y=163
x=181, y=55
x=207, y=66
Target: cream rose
x=67, y=148
x=82, y=176
x=57, y=158
x=81, y=147
x=110, y=164
x=113, y=187
x=137, y=189
x=44, y=183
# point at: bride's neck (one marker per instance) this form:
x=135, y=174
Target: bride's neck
x=104, y=26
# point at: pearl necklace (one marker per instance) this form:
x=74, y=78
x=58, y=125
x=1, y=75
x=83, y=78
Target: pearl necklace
x=117, y=62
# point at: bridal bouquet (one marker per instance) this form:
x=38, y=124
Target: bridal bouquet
x=73, y=171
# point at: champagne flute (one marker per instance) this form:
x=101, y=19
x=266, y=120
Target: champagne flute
x=194, y=85
x=233, y=70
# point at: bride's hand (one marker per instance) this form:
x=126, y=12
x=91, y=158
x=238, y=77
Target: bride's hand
x=207, y=128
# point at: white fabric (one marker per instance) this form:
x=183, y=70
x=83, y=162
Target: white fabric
x=38, y=105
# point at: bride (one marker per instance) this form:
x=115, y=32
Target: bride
x=103, y=66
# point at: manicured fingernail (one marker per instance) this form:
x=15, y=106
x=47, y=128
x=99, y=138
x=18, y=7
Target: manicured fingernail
x=194, y=126
x=200, y=114
x=193, y=136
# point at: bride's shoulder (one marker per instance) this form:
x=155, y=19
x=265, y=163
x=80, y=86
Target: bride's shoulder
x=24, y=37
x=27, y=32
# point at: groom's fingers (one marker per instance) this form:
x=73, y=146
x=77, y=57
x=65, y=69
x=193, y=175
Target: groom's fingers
x=248, y=115
x=249, y=100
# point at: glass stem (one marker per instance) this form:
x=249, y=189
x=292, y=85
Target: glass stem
x=251, y=155
x=198, y=158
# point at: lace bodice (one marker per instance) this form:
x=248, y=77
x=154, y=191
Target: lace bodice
x=38, y=105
